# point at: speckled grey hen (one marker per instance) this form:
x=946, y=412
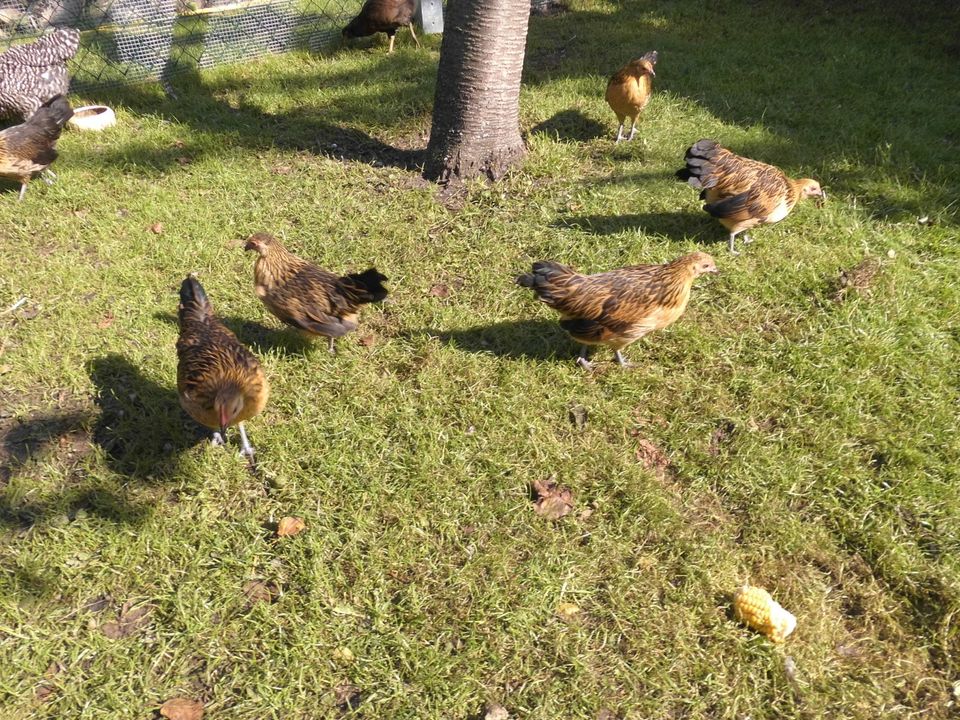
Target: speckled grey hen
x=33, y=73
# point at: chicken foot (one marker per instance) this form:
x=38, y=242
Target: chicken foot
x=331, y=346
x=217, y=440
x=619, y=133
x=245, y=442
x=410, y=25
x=582, y=359
x=624, y=363
x=633, y=130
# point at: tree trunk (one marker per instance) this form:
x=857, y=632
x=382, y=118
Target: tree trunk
x=476, y=109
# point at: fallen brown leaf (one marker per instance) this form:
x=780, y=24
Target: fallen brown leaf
x=651, y=456
x=605, y=714
x=290, y=526
x=553, y=501
x=368, y=340
x=281, y=169
x=4, y=369
x=130, y=621
x=347, y=697
x=184, y=160
x=567, y=611
x=156, y=228
x=259, y=591
x=106, y=321
x=44, y=692
x=179, y=708
x=440, y=291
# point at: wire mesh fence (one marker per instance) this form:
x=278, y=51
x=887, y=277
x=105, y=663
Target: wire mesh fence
x=125, y=41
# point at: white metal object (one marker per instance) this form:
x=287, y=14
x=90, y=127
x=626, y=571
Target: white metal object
x=430, y=16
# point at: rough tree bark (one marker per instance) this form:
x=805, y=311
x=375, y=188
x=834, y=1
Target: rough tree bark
x=476, y=109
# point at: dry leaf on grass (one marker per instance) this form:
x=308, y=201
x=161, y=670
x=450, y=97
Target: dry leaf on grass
x=440, y=291
x=260, y=591
x=652, y=457
x=290, y=526
x=368, y=340
x=281, y=169
x=344, y=655
x=130, y=621
x=605, y=714
x=347, y=697
x=578, y=416
x=106, y=321
x=182, y=709
x=156, y=228
x=553, y=501
x=44, y=692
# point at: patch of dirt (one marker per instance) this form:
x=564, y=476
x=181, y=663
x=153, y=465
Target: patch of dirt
x=64, y=433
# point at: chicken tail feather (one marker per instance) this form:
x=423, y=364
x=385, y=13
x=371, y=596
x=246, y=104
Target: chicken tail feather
x=194, y=304
x=366, y=287
x=699, y=163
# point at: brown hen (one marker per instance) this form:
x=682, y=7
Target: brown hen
x=313, y=300
x=618, y=307
x=28, y=149
x=742, y=193
x=628, y=92
x=219, y=381
x=385, y=16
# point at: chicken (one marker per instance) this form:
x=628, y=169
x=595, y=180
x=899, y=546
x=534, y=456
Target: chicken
x=742, y=193
x=618, y=307
x=219, y=381
x=29, y=148
x=314, y=301
x=33, y=73
x=628, y=92
x=384, y=16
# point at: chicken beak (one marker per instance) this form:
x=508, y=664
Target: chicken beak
x=224, y=421
x=652, y=73
x=822, y=198
x=251, y=245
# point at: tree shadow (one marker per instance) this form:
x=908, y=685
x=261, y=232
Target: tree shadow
x=674, y=225
x=570, y=125
x=221, y=106
x=825, y=95
x=518, y=339
x=141, y=427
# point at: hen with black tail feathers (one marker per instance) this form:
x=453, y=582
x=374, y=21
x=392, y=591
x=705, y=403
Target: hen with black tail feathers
x=618, y=307
x=742, y=193
x=33, y=73
x=314, y=301
x=219, y=381
x=26, y=150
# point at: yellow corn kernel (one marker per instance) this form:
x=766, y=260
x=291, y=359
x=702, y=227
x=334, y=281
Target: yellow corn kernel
x=754, y=606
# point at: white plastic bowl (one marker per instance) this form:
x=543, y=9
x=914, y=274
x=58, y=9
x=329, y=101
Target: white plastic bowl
x=92, y=117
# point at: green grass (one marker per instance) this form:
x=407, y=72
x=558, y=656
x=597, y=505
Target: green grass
x=812, y=443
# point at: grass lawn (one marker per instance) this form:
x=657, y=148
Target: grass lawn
x=786, y=430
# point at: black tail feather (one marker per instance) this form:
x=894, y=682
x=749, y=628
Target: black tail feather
x=367, y=286
x=194, y=304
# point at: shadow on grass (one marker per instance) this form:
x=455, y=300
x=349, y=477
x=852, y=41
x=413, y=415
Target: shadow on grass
x=570, y=125
x=141, y=427
x=221, y=107
x=675, y=225
x=530, y=339
x=259, y=337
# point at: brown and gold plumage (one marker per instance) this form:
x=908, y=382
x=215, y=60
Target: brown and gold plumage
x=742, y=193
x=616, y=308
x=385, y=16
x=629, y=91
x=28, y=149
x=220, y=382
x=315, y=301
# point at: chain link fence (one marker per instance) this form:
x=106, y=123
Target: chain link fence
x=125, y=41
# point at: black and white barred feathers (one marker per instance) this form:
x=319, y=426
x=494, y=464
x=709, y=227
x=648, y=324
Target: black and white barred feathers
x=32, y=73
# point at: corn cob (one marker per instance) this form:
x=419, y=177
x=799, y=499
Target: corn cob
x=754, y=606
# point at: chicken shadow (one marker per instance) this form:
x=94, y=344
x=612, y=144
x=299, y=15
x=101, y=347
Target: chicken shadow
x=517, y=339
x=141, y=427
x=674, y=225
x=570, y=125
